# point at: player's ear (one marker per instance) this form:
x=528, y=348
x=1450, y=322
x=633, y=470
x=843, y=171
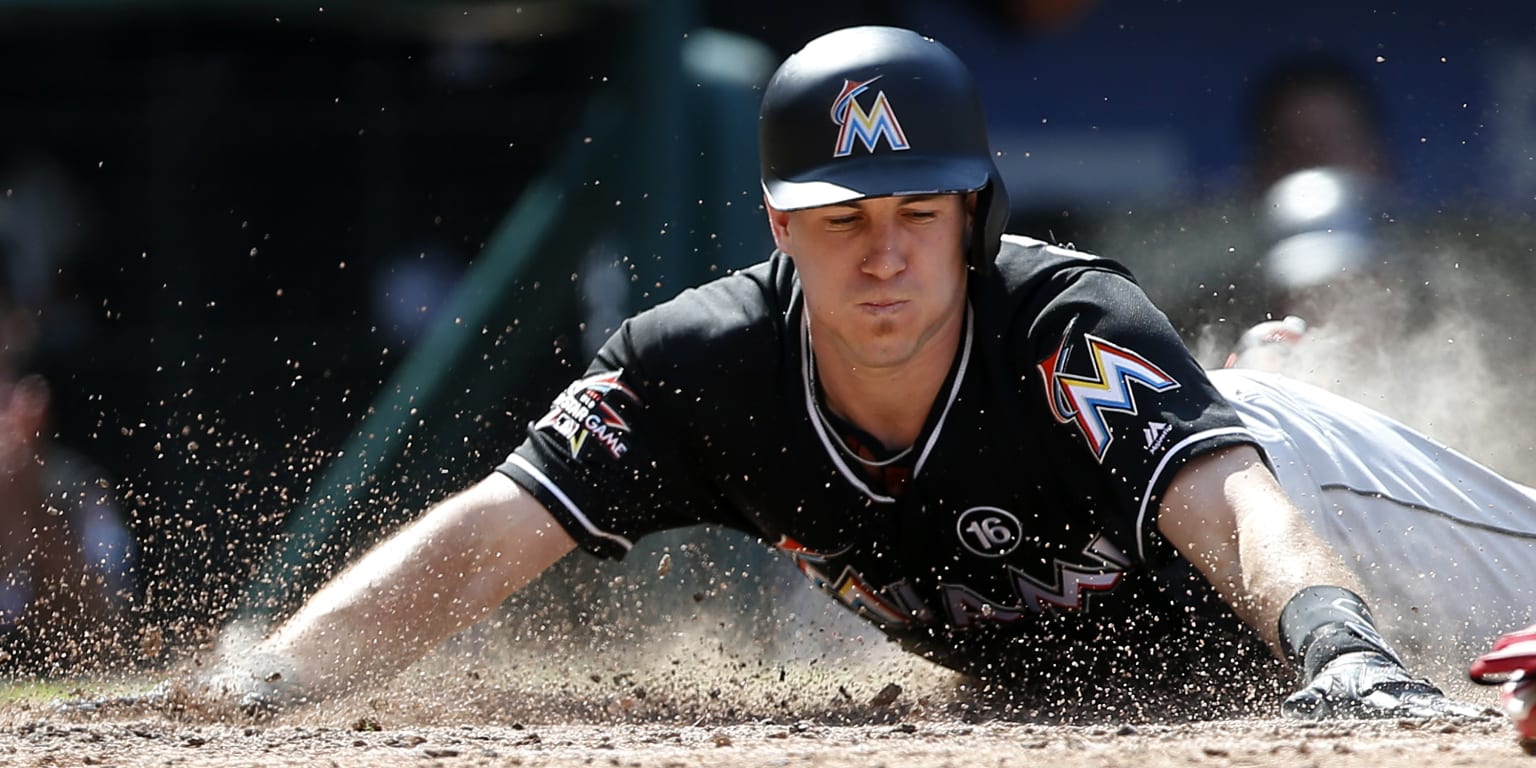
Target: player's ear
x=778, y=223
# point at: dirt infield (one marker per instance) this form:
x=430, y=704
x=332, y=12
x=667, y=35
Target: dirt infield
x=917, y=742
x=703, y=705
x=607, y=723
x=708, y=672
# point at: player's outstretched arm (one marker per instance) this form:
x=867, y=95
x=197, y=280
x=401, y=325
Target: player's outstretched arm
x=1228, y=515
x=436, y=576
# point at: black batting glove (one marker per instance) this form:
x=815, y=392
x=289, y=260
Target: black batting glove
x=1370, y=684
x=1349, y=669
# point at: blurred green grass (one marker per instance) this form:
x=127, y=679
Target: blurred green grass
x=42, y=691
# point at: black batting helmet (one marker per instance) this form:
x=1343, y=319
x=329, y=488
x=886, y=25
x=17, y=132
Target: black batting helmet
x=873, y=112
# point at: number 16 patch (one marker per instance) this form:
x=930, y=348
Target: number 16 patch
x=989, y=531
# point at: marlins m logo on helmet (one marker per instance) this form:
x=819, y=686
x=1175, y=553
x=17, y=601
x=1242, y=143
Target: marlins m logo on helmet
x=869, y=126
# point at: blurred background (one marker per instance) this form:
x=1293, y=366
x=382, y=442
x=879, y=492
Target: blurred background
x=291, y=270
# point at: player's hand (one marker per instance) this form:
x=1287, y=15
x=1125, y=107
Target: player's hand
x=1367, y=684
x=255, y=694
x=224, y=692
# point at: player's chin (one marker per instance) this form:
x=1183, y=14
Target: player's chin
x=888, y=355
x=888, y=332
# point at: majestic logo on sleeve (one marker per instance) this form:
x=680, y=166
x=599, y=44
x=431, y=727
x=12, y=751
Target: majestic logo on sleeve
x=869, y=126
x=584, y=412
x=1087, y=399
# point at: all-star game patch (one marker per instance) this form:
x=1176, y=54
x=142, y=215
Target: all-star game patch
x=585, y=413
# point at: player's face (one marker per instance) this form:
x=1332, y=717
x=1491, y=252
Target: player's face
x=883, y=277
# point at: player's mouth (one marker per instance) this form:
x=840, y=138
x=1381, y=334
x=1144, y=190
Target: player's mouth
x=883, y=306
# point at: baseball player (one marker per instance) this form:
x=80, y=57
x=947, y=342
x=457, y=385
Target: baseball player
x=996, y=450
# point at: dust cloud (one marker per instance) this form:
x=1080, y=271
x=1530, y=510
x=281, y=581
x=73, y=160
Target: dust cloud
x=1450, y=351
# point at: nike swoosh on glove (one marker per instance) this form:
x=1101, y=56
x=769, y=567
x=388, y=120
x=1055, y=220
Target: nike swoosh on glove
x=1367, y=684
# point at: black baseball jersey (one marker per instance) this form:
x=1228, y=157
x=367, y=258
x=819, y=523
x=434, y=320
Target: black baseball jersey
x=1022, y=526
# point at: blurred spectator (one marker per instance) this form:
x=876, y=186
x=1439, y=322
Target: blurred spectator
x=1311, y=111
x=1320, y=239
x=410, y=289
x=45, y=223
x=1321, y=172
x=1039, y=15
x=65, y=553
x=1302, y=232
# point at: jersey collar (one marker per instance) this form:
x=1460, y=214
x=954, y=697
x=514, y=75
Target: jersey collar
x=829, y=440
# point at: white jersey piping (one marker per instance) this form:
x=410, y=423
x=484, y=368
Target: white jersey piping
x=821, y=431
x=954, y=392
x=806, y=377
x=1146, y=493
x=570, y=506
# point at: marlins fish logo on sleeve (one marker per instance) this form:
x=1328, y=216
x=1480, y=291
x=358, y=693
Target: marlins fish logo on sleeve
x=1087, y=399
x=584, y=412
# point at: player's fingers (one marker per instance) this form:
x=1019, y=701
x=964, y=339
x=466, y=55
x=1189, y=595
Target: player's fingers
x=1306, y=704
x=1443, y=706
x=154, y=699
x=1416, y=700
x=259, y=706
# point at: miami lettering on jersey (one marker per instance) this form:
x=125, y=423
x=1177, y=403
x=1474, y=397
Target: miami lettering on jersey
x=869, y=126
x=1101, y=567
x=893, y=604
x=1087, y=399
x=1069, y=588
x=582, y=413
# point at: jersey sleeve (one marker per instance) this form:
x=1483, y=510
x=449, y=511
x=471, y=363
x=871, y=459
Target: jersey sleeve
x=610, y=459
x=1124, y=401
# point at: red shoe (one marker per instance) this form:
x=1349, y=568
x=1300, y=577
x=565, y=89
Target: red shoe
x=1265, y=346
x=1512, y=666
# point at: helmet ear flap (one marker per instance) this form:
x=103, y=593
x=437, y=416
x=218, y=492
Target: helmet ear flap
x=984, y=239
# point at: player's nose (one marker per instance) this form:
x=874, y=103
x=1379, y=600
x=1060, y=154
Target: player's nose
x=885, y=257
